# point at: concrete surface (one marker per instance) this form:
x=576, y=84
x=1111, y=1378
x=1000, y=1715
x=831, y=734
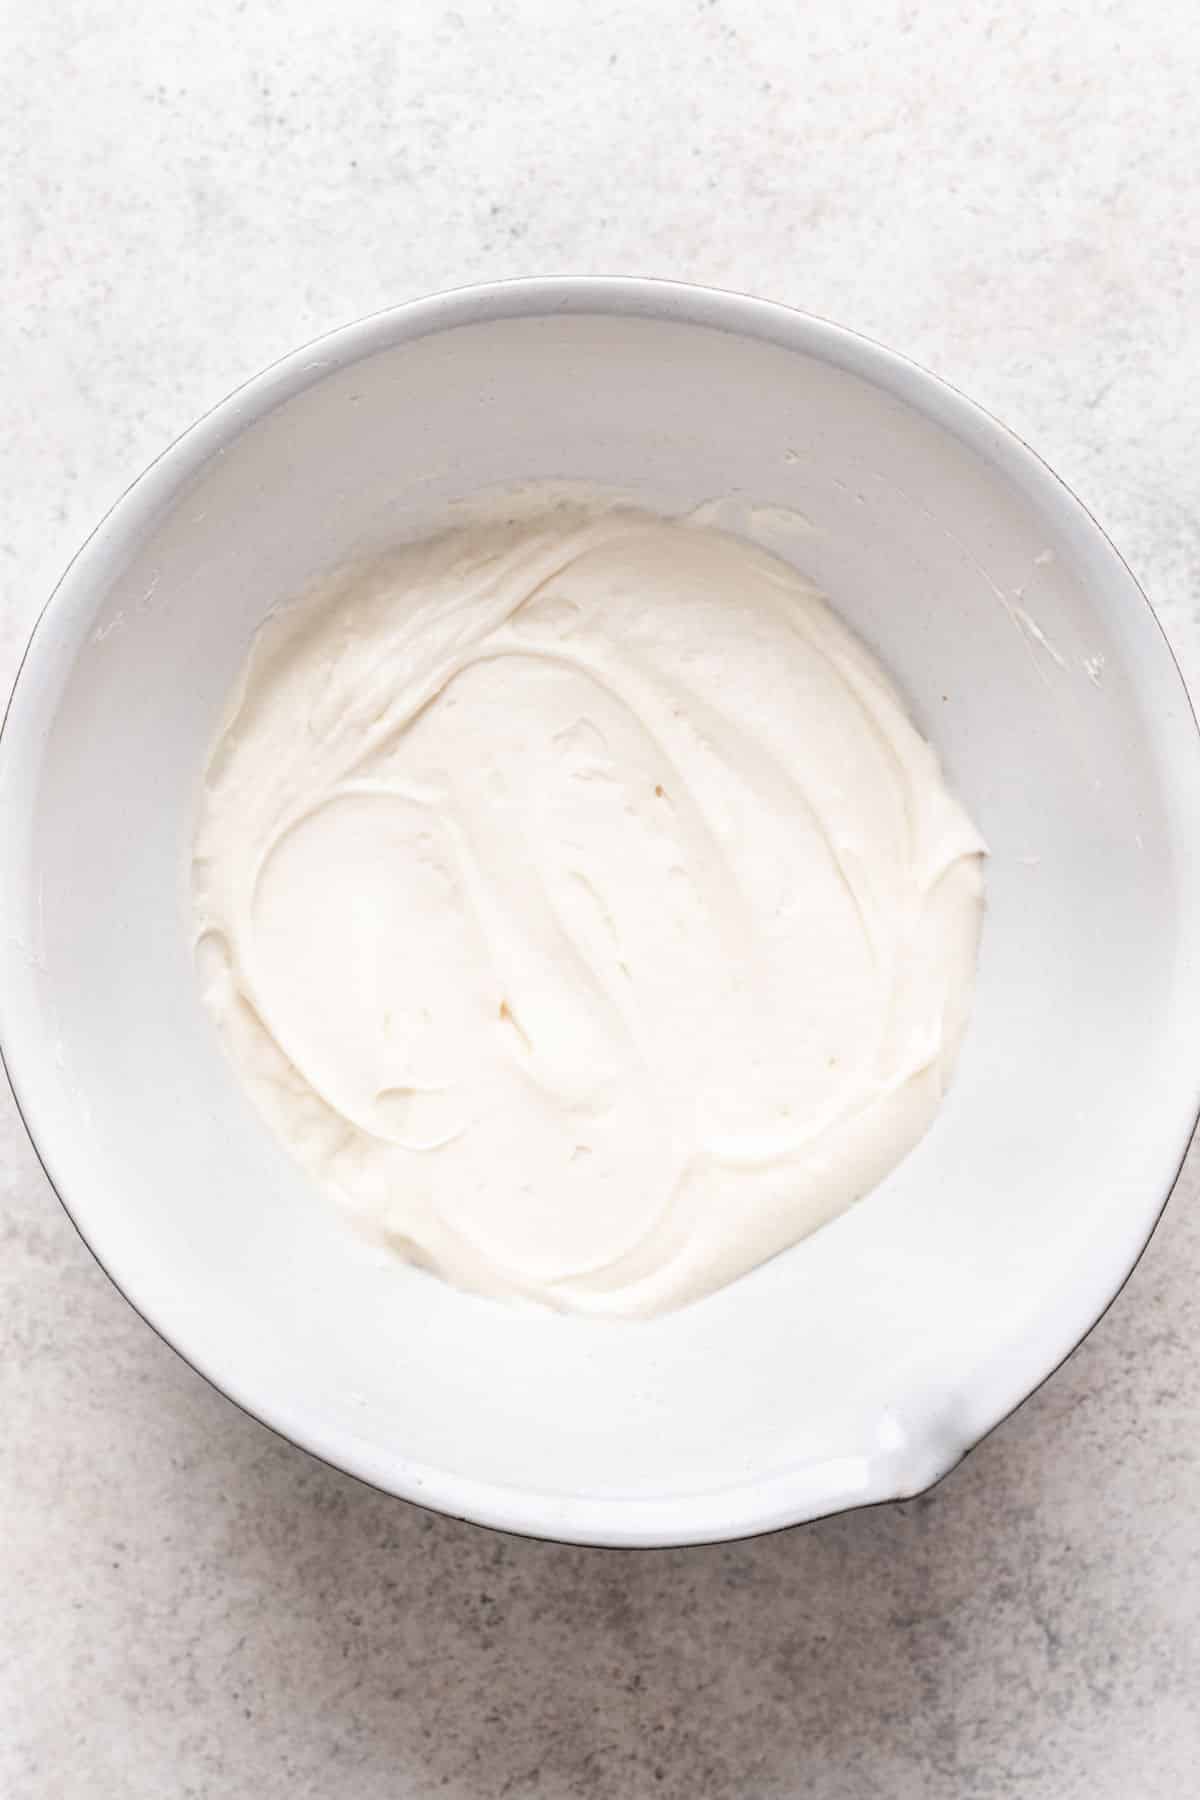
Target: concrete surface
x=1012, y=195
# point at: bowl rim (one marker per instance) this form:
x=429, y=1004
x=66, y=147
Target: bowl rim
x=802, y=1495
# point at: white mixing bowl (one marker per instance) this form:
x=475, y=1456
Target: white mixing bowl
x=862, y=1364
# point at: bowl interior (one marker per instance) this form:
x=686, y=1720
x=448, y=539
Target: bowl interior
x=858, y=1365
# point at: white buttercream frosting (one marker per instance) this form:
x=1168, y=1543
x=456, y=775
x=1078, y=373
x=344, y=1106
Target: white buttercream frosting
x=579, y=904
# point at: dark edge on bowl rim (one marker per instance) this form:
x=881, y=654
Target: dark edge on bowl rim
x=685, y=288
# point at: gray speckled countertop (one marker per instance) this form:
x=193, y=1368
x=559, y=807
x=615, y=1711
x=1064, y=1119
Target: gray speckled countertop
x=1011, y=194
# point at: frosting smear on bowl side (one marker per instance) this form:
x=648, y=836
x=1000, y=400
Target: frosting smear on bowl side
x=579, y=905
